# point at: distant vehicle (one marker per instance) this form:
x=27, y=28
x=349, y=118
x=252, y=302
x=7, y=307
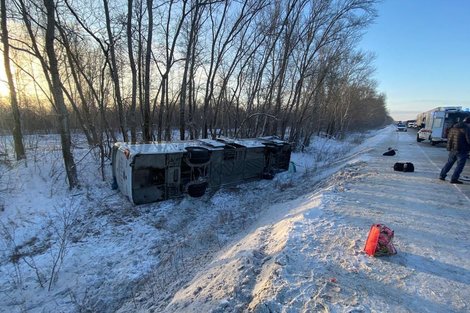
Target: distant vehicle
x=435, y=124
x=411, y=124
x=401, y=127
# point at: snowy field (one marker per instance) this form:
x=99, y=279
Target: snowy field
x=292, y=244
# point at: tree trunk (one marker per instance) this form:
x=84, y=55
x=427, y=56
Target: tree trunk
x=64, y=129
x=17, y=135
x=115, y=74
x=86, y=121
x=187, y=60
x=132, y=118
x=147, y=131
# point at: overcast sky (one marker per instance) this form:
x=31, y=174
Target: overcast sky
x=422, y=50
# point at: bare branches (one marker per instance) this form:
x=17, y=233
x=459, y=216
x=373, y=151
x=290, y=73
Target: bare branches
x=17, y=133
x=210, y=68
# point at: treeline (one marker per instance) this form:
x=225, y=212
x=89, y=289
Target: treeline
x=137, y=70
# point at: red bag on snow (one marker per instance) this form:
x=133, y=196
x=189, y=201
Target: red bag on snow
x=379, y=241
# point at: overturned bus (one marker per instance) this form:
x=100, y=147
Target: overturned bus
x=152, y=172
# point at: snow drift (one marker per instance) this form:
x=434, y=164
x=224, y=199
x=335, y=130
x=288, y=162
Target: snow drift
x=293, y=244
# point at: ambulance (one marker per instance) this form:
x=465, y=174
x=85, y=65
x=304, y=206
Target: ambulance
x=435, y=124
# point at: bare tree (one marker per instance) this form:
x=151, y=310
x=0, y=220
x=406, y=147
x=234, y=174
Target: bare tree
x=147, y=129
x=56, y=91
x=272, y=28
x=17, y=134
x=99, y=92
x=222, y=40
x=208, y=67
x=132, y=117
x=115, y=73
x=193, y=33
x=86, y=121
x=168, y=63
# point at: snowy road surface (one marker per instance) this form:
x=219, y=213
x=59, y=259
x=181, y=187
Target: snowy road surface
x=437, y=156
x=305, y=255
x=293, y=244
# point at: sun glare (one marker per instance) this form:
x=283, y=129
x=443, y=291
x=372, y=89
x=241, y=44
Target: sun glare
x=23, y=84
x=4, y=91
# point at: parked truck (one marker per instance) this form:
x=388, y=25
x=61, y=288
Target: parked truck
x=435, y=124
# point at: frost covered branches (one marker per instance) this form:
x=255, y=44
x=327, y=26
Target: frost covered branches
x=40, y=255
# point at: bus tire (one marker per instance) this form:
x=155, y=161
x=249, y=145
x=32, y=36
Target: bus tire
x=198, y=155
x=197, y=190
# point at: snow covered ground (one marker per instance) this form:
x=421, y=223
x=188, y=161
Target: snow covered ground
x=293, y=244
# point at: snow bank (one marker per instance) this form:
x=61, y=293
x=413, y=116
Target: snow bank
x=292, y=244
x=306, y=255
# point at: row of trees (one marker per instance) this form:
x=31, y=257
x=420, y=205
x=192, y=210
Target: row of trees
x=137, y=70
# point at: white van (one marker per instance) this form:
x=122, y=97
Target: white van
x=435, y=124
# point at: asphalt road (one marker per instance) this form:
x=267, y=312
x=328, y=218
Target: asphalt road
x=437, y=156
